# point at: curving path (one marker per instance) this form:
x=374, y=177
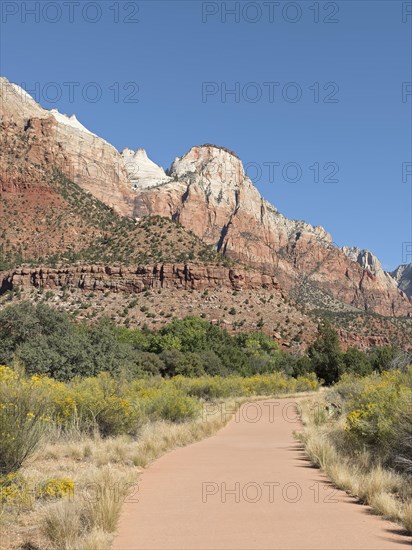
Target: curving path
x=248, y=487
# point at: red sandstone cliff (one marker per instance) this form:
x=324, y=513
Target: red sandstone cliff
x=207, y=192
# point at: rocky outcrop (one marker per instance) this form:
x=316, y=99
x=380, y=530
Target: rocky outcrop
x=142, y=172
x=135, y=279
x=364, y=258
x=210, y=194
x=359, y=341
x=403, y=277
x=57, y=141
x=370, y=263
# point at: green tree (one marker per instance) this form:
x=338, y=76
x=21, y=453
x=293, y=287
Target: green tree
x=177, y=362
x=212, y=364
x=381, y=358
x=146, y=363
x=303, y=365
x=356, y=362
x=191, y=331
x=326, y=355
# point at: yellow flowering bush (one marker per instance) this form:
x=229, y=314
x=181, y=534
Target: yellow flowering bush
x=17, y=490
x=14, y=490
x=23, y=418
x=169, y=404
x=379, y=409
x=7, y=374
x=61, y=403
x=55, y=488
x=105, y=403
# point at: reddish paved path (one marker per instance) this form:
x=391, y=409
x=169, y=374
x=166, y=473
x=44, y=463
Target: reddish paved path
x=183, y=503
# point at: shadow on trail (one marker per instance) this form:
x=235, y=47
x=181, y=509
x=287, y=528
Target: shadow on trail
x=299, y=449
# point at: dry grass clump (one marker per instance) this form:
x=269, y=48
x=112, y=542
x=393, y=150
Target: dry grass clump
x=386, y=505
x=96, y=539
x=407, y=516
x=62, y=524
x=102, y=498
x=379, y=481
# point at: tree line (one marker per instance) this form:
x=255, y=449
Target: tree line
x=45, y=341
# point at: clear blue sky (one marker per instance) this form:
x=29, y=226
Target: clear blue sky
x=176, y=46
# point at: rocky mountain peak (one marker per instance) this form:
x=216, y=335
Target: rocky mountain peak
x=70, y=121
x=142, y=171
x=53, y=140
x=370, y=263
x=365, y=258
x=403, y=276
x=212, y=163
x=16, y=104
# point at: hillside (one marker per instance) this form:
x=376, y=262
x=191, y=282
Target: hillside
x=197, y=239
x=46, y=217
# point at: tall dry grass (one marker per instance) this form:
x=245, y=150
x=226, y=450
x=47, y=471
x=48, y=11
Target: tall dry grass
x=106, y=471
x=357, y=473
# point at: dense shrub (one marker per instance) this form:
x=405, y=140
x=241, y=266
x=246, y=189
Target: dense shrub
x=356, y=362
x=55, y=488
x=213, y=387
x=381, y=358
x=103, y=402
x=212, y=363
x=378, y=414
x=177, y=362
x=170, y=404
x=194, y=334
x=146, y=363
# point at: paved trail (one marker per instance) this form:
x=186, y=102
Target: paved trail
x=248, y=487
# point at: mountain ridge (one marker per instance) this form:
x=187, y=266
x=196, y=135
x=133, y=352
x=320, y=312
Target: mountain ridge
x=207, y=191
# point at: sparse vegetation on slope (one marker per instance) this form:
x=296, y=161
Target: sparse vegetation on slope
x=108, y=238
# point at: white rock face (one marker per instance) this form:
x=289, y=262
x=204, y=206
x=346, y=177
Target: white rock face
x=143, y=172
x=403, y=276
x=20, y=91
x=17, y=104
x=363, y=257
x=69, y=121
x=368, y=261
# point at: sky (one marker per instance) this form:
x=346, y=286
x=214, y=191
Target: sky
x=314, y=97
